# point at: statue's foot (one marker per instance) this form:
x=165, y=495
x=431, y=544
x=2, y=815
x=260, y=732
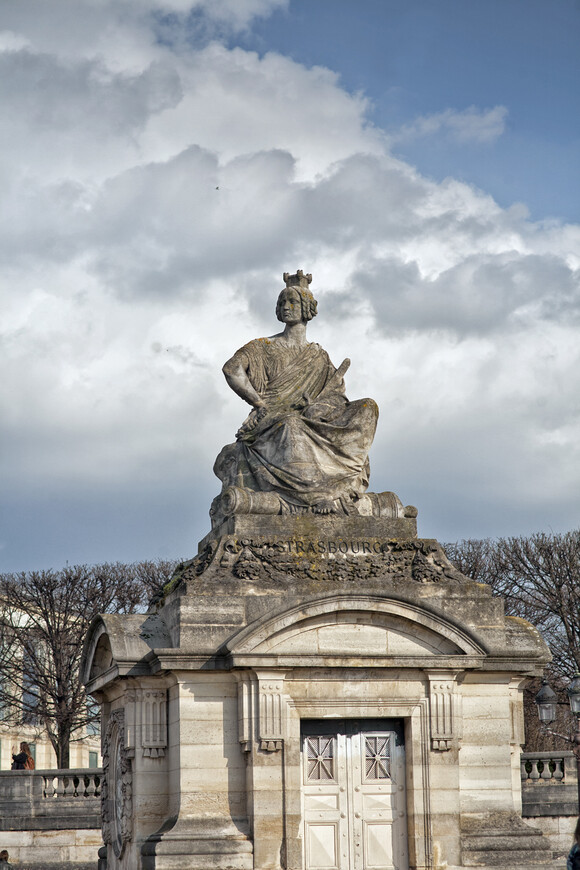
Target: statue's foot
x=325, y=507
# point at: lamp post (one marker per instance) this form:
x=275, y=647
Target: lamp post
x=546, y=700
x=574, y=698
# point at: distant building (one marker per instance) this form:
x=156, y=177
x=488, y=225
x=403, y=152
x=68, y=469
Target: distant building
x=18, y=721
x=83, y=753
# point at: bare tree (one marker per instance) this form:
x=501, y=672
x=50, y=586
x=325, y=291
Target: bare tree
x=541, y=576
x=539, y=579
x=44, y=616
x=474, y=558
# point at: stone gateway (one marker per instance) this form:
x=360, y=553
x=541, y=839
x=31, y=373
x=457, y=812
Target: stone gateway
x=319, y=688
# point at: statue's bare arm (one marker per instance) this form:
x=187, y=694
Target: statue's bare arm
x=236, y=374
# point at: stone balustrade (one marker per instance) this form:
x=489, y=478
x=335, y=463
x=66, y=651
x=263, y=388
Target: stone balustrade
x=60, y=784
x=50, y=799
x=549, y=784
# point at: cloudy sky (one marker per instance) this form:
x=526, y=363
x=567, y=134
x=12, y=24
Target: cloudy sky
x=164, y=161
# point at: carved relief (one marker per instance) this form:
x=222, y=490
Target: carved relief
x=247, y=692
x=336, y=561
x=261, y=702
x=154, y=722
x=271, y=689
x=442, y=707
x=146, y=714
x=117, y=789
x=187, y=571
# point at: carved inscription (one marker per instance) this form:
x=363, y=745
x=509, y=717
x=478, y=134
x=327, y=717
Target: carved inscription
x=325, y=559
x=336, y=560
x=330, y=548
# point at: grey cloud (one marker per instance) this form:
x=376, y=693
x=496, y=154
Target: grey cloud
x=482, y=294
x=49, y=94
x=363, y=199
x=143, y=248
x=165, y=227
x=180, y=353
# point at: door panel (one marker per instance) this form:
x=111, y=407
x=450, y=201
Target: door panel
x=322, y=845
x=354, y=795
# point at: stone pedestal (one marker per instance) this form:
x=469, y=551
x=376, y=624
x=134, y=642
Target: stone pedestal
x=281, y=625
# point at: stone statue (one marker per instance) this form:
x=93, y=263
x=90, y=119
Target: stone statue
x=304, y=447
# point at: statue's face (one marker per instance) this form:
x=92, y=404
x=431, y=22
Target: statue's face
x=290, y=306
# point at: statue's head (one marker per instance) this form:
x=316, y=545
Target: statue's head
x=299, y=283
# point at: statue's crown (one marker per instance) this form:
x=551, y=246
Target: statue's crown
x=297, y=280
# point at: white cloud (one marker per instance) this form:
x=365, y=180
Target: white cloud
x=473, y=124
x=154, y=195
x=10, y=41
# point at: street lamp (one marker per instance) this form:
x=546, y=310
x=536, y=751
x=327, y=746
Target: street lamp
x=546, y=704
x=574, y=695
x=574, y=698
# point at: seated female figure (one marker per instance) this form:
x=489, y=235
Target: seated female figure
x=303, y=440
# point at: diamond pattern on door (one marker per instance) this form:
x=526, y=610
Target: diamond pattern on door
x=377, y=757
x=320, y=758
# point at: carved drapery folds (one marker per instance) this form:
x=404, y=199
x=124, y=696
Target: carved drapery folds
x=261, y=709
x=442, y=704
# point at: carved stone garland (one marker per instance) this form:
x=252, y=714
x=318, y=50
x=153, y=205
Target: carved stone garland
x=117, y=790
x=422, y=561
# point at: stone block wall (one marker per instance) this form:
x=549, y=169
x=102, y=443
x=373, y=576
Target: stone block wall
x=53, y=849
x=51, y=819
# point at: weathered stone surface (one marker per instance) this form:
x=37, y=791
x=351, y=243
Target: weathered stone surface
x=559, y=830
x=304, y=446
x=36, y=800
x=503, y=840
x=312, y=601
x=305, y=617
x=53, y=850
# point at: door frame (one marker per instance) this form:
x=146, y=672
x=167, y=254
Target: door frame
x=415, y=716
x=349, y=782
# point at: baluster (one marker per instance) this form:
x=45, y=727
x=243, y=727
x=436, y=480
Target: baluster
x=97, y=786
x=59, y=787
x=534, y=772
x=559, y=769
x=523, y=769
x=546, y=772
x=89, y=785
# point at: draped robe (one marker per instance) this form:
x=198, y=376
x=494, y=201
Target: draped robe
x=312, y=445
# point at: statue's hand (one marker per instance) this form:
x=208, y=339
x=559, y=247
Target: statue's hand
x=302, y=403
x=256, y=414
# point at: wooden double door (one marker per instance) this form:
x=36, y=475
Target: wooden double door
x=353, y=795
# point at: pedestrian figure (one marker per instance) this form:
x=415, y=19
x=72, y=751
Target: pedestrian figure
x=24, y=759
x=573, y=862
